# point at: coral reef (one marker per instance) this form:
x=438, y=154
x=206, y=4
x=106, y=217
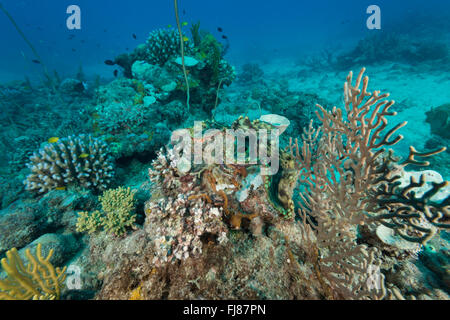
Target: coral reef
x=332, y=252
x=251, y=72
x=201, y=69
x=393, y=47
x=343, y=217
x=37, y=279
x=81, y=160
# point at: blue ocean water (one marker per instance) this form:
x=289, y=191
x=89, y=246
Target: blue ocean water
x=86, y=166
x=256, y=29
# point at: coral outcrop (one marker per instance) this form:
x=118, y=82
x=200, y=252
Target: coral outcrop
x=76, y=160
x=196, y=242
x=158, y=63
x=439, y=120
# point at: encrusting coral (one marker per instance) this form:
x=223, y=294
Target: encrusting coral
x=81, y=160
x=37, y=279
x=117, y=214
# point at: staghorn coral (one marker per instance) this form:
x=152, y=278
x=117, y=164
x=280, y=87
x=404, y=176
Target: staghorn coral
x=116, y=216
x=348, y=180
x=37, y=279
x=81, y=160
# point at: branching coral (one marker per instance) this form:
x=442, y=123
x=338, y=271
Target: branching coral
x=349, y=180
x=81, y=160
x=162, y=45
x=118, y=206
x=117, y=213
x=37, y=279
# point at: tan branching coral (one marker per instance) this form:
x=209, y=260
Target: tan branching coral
x=81, y=160
x=117, y=214
x=37, y=279
x=348, y=179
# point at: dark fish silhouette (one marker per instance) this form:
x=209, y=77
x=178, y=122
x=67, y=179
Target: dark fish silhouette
x=36, y=61
x=184, y=11
x=116, y=72
x=134, y=36
x=71, y=36
x=224, y=37
x=74, y=50
x=109, y=62
x=219, y=29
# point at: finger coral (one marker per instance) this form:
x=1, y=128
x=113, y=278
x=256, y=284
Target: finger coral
x=75, y=160
x=36, y=279
x=116, y=216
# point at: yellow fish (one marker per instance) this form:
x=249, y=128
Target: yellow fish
x=61, y=188
x=84, y=155
x=185, y=39
x=53, y=140
x=184, y=24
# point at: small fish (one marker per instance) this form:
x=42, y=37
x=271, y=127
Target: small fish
x=109, y=62
x=36, y=61
x=61, y=188
x=184, y=24
x=53, y=140
x=71, y=36
x=84, y=155
x=219, y=29
x=185, y=39
x=134, y=36
x=224, y=37
x=169, y=26
x=116, y=72
x=82, y=41
x=184, y=11
x=74, y=50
